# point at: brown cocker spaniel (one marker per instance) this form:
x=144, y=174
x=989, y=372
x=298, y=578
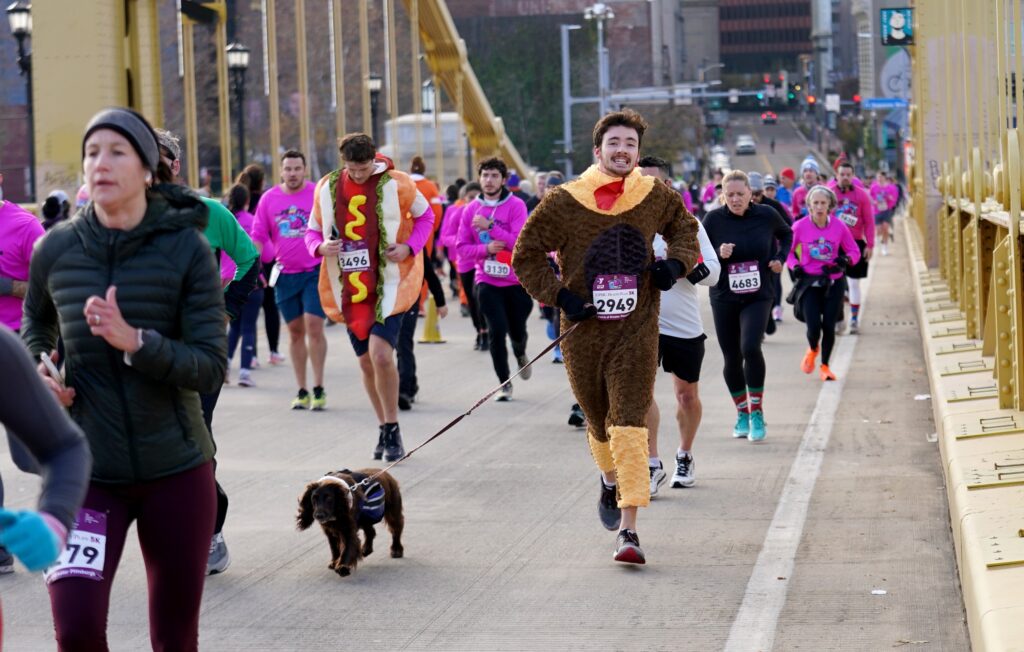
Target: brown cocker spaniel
x=342, y=506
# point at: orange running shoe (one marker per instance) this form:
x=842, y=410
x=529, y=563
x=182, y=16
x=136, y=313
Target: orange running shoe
x=826, y=373
x=807, y=365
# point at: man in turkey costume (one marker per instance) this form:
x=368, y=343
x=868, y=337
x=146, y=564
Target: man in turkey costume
x=601, y=226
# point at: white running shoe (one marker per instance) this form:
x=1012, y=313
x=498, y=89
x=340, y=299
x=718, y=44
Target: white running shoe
x=658, y=478
x=684, y=475
x=504, y=394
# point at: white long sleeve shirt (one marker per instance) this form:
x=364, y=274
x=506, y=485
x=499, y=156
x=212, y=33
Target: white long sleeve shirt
x=680, y=306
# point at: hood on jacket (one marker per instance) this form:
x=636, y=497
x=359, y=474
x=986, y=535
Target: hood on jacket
x=169, y=208
x=503, y=197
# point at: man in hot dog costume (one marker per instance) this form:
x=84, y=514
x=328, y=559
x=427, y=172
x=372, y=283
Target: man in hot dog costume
x=602, y=226
x=370, y=223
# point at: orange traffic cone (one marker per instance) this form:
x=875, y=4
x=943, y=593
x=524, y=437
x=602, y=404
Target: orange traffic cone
x=431, y=332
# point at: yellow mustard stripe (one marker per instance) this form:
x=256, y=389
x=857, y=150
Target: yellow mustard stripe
x=636, y=189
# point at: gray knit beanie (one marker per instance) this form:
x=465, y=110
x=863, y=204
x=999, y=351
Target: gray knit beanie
x=132, y=126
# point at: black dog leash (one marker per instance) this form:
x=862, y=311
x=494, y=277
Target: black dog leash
x=451, y=424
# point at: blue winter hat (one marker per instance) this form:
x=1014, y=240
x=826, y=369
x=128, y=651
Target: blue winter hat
x=513, y=181
x=809, y=164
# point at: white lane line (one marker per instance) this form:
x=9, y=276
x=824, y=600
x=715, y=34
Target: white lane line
x=756, y=621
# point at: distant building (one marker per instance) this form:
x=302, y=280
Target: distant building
x=763, y=36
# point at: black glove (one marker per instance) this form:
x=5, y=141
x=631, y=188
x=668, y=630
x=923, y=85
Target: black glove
x=575, y=308
x=798, y=272
x=698, y=273
x=842, y=262
x=830, y=268
x=665, y=272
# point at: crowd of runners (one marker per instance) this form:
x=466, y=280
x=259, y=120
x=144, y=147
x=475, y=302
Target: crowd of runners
x=139, y=323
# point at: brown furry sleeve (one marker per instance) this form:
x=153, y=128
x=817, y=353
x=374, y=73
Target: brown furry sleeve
x=543, y=232
x=680, y=233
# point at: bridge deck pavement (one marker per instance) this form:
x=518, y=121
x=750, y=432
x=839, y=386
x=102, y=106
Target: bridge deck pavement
x=503, y=547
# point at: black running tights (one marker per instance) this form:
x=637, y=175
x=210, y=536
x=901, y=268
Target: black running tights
x=740, y=329
x=505, y=309
x=821, y=307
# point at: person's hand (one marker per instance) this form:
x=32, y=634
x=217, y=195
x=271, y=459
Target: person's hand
x=329, y=248
x=775, y=266
x=105, y=320
x=665, y=272
x=798, y=272
x=725, y=250
x=65, y=395
x=830, y=268
x=574, y=307
x=31, y=538
x=396, y=253
x=442, y=312
x=867, y=253
x=481, y=223
x=494, y=246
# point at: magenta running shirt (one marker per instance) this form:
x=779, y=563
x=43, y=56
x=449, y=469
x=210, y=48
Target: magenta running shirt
x=19, y=230
x=281, y=220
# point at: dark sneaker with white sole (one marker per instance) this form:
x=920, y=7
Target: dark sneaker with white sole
x=526, y=371
x=378, y=452
x=608, y=507
x=627, y=548
x=393, y=448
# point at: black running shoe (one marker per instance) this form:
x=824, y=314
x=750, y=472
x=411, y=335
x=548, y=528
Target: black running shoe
x=404, y=402
x=576, y=417
x=608, y=507
x=393, y=448
x=627, y=548
x=378, y=452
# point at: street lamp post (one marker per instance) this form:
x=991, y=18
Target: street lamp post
x=19, y=16
x=238, y=63
x=566, y=100
x=427, y=97
x=601, y=12
x=374, y=84
x=703, y=70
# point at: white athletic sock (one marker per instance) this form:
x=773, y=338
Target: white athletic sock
x=607, y=482
x=681, y=453
x=854, y=285
x=654, y=462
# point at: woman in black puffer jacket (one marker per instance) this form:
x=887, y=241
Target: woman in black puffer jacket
x=133, y=288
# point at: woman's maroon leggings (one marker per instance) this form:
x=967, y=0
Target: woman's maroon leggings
x=175, y=522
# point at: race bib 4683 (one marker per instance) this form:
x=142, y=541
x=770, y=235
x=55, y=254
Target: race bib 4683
x=744, y=278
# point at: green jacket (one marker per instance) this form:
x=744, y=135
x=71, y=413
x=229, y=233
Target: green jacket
x=143, y=420
x=223, y=232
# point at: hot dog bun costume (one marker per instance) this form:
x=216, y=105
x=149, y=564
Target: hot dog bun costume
x=602, y=228
x=367, y=217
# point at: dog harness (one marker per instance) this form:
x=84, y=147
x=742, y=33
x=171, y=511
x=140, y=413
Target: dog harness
x=371, y=505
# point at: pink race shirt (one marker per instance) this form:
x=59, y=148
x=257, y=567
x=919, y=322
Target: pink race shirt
x=856, y=212
x=227, y=266
x=820, y=246
x=281, y=220
x=19, y=231
x=883, y=196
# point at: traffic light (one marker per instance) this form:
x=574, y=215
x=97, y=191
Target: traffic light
x=811, y=99
x=797, y=87
x=856, y=99
x=792, y=96
x=760, y=96
x=767, y=78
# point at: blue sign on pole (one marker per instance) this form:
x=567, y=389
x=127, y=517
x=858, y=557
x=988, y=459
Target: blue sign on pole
x=897, y=26
x=882, y=103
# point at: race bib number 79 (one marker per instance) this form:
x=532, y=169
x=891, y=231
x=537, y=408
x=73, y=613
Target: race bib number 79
x=85, y=552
